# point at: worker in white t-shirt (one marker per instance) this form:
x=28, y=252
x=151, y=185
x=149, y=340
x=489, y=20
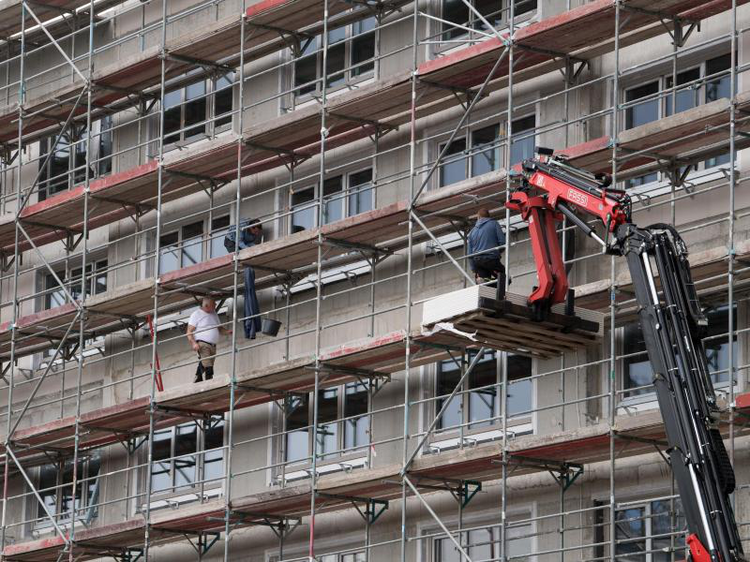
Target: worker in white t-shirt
x=203, y=332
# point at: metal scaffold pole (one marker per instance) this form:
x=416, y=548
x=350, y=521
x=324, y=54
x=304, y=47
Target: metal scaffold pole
x=157, y=287
x=321, y=217
x=614, y=127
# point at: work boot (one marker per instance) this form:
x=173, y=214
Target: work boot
x=209, y=373
x=199, y=373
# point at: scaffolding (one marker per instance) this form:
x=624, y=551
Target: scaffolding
x=94, y=364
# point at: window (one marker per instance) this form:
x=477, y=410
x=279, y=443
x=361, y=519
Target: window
x=188, y=454
x=66, y=166
x=481, y=404
x=644, y=533
x=342, y=422
x=637, y=373
x=484, y=544
x=495, y=12
x=484, y=154
x=350, y=57
x=199, y=109
x=704, y=83
x=344, y=195
x=219, y=229
x=348, y=557
x=181, y=248
x=55, y=489
x=96, y=283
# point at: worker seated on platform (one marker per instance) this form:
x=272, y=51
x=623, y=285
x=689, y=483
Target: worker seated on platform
x=486, y=244
x=203, y=332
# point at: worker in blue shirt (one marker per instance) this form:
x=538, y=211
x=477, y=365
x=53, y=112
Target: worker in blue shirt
x=486, y=244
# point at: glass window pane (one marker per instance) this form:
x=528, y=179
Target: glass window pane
x=483, y=400
x=520, y=386
x=523, y=147
x=186, y=442
x=336, y=61
x=297, y=426
x=334, y=201
x=360, y=192
x=105, y=145
x=195, y=111
x=224, y=99
x=363, y=49
x=303, y=210
x=486, y=160
x=355, y=404
x=305, y=74
x=482, y=545
x=454, y=11
x=448, y=376
x=664, y=522
x=170, y=253
x=524, y=6
x=453, y=168
x=172, y=116
x=645, y=112
x=446, y=551
x=641, y=180
x=162, y=451
x=637, y=369
x=219, y=229
x=328, y=401
x=213, y=459
x=192, y=244
x=629, y=528
x=718, y=87
x=47, y=491
x=687, y=97
x=491, y=10
x=717, y=343
x=100, y=279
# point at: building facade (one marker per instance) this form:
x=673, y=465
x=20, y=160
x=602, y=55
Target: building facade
x=365, y=137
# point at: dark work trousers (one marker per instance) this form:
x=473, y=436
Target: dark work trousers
x=491, y=268
x=252, y=308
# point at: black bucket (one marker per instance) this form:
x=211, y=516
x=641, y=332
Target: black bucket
x=270, y=327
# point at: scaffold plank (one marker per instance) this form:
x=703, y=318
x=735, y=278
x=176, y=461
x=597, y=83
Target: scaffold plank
x=473, y=316
x=636, y=434
x=385, y=102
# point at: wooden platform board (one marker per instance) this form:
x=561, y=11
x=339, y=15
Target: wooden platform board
x=473, y=315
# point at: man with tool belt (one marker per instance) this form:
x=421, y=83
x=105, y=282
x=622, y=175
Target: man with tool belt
x=203, y=331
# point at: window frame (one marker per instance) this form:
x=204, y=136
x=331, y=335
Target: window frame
x=662, y=79
x=198, y=483
x=340, y=451
x=646, y=397
x=211, y=238
x=647, y=517
x=96, y=269
x=352, y=75
x=471, y=427
x=102, y=145
x=344, y=195
x=448, y=42
x=470, y=153
x=213, y=123
x=522, y=531
x=41, y=523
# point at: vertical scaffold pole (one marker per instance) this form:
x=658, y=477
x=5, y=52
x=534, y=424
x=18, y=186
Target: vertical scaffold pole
x=157, y=283
x=614, y=127
x=16, y=264
x=319, y=281
x=409, y=265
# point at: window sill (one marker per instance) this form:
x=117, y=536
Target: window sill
x=472, y=439
x=46, y=528
x=307, y=100
x=346, y=465
x=176, y=501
